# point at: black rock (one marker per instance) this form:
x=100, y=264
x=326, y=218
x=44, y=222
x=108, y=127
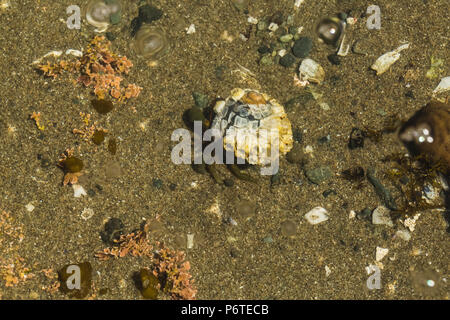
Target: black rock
x=263, y=49
x=302, y=47
x=287, y=60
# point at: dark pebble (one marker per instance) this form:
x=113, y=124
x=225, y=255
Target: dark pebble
x=334, y=59
x=409, y=94
x=297, y=135
x=200, y=99
x=91, y=193
x=219, y=72
x=287, y=60
x=157, y=183
x=302, y=47
x=45, y=163
x=263, y=49
x=365, y=214
x=404, y=180
x=325, y=139
x=172, y=187
x=110, y=36
x=326, y=193
x=228, y=182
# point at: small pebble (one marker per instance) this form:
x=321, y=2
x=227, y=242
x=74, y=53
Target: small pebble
x=266, y=60
x=317, y=215
x=365, y=214
x=228, y=182
x=318, y=175
x=382, y=215
x=287, y=60
x=302, y=47
x=157, y=183
x=381, y=253
x=403, y=234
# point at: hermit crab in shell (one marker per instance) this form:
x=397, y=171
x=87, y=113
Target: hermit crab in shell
x=253, y=128
x=252, y=124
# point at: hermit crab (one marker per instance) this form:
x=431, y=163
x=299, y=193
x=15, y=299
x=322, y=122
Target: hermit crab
x=253, y=127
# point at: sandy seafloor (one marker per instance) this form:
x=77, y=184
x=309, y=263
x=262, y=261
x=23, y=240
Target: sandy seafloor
x=228, y=262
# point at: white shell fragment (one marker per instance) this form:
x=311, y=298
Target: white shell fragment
x=73, y=52
x=311, y=71
x=381, y=215
x=443, y=86
x=273, y=26
x=191, y=29
x=317, y=215
x=78, y=191
x=298, y=3
x=190, y=240
x=252, y=20
x=383, y=62
x=29, y=207
x=381, y=253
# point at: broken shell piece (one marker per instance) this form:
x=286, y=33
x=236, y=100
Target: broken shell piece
x=311, y=71
x=78, y=191
x=73, y=52
x=443, y=86
x=383, y=62
x=381, y=253
x=317, y=215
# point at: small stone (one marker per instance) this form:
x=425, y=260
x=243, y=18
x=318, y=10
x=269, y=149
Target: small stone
x=262, y=25
x=297, y=135
x=317, y=215
x=78, y=191
x=228, y=182
x=302, y=47
x=318, y=175
x=266, y=60
x=365, y=214
x=296, y=154
x=403, y=234
x=157, y=183
x=381, y=253
x=382, y=215
x=325, y=139
x=268, y=239
x=287, y=60
x=286, y=37
x=172, y=187
x=200, y=99
x=29, y=207
x=110, y=36
x=263, y=49
x=326, y=193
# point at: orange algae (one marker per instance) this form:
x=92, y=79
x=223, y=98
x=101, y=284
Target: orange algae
x=99, y=68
